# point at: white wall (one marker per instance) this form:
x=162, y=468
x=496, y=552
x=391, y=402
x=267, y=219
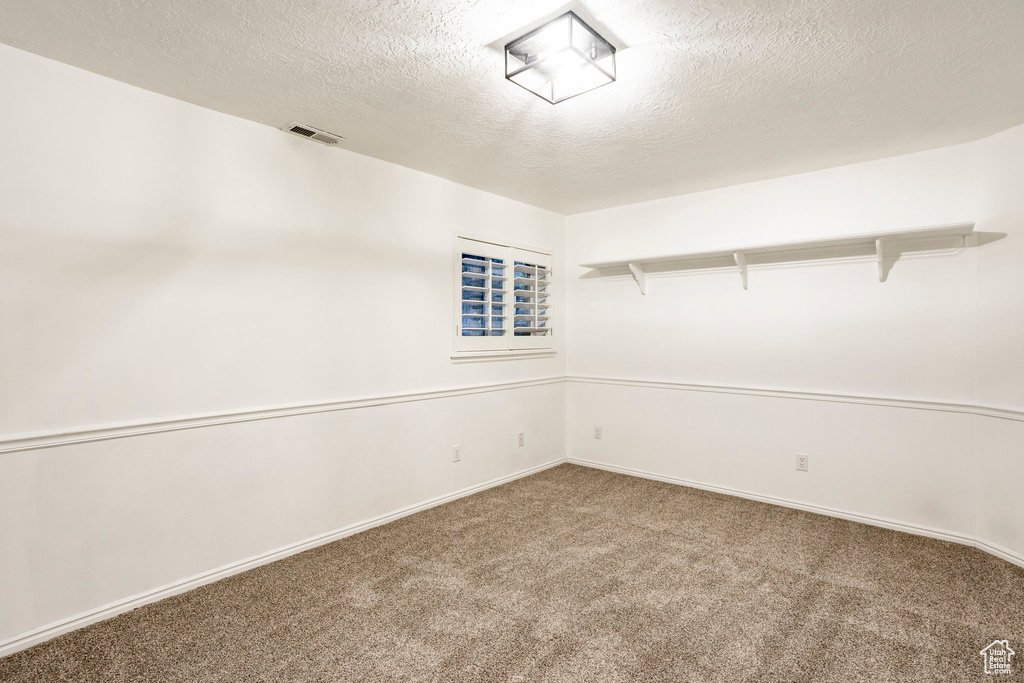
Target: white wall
x=162, y=261
x=946, y=330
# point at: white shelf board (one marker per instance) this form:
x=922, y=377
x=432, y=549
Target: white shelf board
x=886, y=247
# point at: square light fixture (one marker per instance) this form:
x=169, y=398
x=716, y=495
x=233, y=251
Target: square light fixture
x=561, y=59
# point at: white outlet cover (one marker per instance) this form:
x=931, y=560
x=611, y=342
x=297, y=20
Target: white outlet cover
x=802, y=462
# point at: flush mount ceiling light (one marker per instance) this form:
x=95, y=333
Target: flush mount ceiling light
x=561, y=59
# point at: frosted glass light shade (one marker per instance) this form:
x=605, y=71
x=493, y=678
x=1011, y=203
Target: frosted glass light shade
x=561, y=59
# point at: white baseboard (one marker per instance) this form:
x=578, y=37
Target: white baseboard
x=113, y=609
x=916, y=529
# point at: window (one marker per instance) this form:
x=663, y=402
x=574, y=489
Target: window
x=503, y=300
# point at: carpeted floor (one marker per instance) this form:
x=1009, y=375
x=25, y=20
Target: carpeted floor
x=575, y=574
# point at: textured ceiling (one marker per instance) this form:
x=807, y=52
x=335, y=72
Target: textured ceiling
x=710, y=93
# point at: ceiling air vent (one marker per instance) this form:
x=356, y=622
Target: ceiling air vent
x=321, y=136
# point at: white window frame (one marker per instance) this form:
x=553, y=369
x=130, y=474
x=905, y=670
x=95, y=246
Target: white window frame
x=508, y=345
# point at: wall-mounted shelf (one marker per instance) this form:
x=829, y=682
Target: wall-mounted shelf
x=885, y=247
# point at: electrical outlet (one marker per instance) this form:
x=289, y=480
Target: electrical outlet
x=522, y=439
x=597, y=432
x=801, y=462
x=456, y=453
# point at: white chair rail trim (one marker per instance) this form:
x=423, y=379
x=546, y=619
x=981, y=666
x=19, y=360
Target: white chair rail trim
x=29, y=442
x=1000, y=412
x=66, y=437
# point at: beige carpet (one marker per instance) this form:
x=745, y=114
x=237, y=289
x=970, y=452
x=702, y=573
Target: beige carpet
x=575, y=574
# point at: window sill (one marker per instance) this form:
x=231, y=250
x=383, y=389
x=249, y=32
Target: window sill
x=485, y=356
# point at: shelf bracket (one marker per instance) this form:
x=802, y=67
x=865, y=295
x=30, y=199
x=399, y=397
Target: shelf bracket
x=741, y=261
x=880, y=252
x=640, y=276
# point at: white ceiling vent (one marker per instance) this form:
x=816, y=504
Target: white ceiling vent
x=321, y=136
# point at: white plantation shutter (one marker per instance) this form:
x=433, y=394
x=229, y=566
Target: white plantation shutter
x=482, y=320
x=503, y=298
x=531, y=299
